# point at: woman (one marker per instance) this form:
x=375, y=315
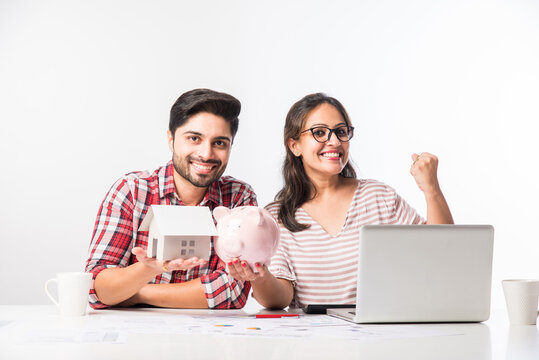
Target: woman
x=322, y=206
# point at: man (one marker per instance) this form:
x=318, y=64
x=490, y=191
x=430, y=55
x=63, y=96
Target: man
x=202, y=127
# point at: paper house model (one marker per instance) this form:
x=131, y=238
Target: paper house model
x=178, y=231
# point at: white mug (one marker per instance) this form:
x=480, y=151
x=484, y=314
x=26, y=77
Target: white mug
x=73, y=291
x=521, y=297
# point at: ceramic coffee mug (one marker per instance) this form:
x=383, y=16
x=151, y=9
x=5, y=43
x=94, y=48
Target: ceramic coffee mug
x=73, y=290
x=521, y=297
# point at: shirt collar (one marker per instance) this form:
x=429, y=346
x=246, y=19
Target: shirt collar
x=167, y=187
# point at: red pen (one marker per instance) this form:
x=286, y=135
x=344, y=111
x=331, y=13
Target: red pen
x=275, y=316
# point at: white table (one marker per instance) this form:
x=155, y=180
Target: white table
x=494, y=339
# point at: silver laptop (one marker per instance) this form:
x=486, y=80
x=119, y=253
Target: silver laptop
x=422, y=273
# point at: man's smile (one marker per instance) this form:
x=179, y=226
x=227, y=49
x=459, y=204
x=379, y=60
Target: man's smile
x=204, y=167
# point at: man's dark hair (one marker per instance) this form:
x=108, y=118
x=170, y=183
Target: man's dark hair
x=205, y=100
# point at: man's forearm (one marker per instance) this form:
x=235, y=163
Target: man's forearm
x=114, y=285
x=188, y=295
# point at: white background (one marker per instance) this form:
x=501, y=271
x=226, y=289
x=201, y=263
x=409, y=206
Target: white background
x=86, y=88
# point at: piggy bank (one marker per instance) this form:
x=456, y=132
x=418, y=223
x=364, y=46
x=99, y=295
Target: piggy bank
x=246, y=232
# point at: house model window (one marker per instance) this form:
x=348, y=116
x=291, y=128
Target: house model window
x=178, y=231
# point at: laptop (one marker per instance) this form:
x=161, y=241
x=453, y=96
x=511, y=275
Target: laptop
x=422, y=273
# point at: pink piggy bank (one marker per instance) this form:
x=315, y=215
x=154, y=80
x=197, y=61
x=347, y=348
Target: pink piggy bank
x=246, y=232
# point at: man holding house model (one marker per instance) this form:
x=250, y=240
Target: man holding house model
x=202, y=126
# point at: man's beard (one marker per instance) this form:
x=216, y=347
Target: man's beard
x=182, y=167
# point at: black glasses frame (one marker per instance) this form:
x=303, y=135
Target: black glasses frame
x=350, y=130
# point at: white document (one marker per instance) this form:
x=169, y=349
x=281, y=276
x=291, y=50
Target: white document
x=115, y=329
x=70, y=336
x=4, y=323
x=300, y=327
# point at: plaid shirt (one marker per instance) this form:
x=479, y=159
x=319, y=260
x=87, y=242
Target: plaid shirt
x=122, y=211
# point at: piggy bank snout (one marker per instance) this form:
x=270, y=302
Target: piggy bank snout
x=232, y=245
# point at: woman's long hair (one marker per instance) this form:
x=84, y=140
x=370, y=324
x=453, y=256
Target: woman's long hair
x=298, y=188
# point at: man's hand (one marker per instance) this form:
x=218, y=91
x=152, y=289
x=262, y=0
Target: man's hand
x=169, y=265
x=424, y=170
x=240, y=270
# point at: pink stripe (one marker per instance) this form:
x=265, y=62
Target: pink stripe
x=321, y=281
x=334, y=250
x=306, y=261
x=342, y=296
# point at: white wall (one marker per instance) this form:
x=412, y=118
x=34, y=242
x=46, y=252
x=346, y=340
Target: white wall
x=86, y=88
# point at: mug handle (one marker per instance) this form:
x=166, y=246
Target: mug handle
x=48, y=293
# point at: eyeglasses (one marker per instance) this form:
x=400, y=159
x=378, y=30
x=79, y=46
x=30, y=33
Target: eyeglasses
x=323, y=133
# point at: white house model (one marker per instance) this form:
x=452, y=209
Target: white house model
x=178, y=231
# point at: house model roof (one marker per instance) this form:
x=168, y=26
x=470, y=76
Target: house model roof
x=180, y=220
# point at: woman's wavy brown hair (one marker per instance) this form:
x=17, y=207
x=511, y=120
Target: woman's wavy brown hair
x=298, y=188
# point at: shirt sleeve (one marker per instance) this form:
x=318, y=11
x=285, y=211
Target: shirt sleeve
x=222, y=290
x=280, y=263
x=112, y=236
x=405, y=214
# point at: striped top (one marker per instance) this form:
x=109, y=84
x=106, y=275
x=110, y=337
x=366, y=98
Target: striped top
x=323, y=268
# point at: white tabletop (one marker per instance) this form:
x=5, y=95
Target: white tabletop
x=493, y=339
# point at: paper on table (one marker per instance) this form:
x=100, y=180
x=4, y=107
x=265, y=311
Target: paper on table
x=4, y=323
x=70, y=336
x=301, y=327
x=69, y=330
x=115, y=329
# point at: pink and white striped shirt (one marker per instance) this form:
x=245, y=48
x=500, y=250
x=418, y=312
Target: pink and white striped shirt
x=323, y=268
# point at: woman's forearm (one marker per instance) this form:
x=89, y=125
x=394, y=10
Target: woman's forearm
x=272, y=293
x=437, y=209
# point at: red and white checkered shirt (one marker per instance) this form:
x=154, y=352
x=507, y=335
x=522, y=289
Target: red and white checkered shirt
x=122, y=211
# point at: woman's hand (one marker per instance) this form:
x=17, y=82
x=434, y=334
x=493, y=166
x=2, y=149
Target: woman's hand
x=424, y=170
x=240, y=270
x=270, y=292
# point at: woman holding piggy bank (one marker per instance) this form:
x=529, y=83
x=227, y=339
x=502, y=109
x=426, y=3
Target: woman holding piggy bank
x=322, y=206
